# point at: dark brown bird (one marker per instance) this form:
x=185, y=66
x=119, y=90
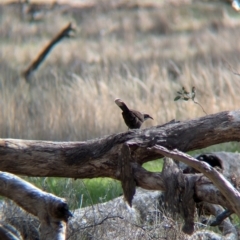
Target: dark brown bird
x=132, y=118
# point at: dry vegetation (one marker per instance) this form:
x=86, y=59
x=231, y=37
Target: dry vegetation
x=142, y=55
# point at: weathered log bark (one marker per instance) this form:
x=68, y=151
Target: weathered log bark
x=51, y=211
x=8, y=232
x=179, y=194
x=100, y=158
x=225, y=187
x=126, y=174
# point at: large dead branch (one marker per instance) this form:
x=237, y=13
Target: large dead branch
x=225, y=187
x=65, y=32
x=100, y=157
x=120, y=156
x=51, y=211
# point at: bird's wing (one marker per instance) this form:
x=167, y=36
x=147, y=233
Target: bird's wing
x=138, y=115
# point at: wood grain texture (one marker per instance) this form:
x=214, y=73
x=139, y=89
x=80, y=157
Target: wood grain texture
x=99, y=157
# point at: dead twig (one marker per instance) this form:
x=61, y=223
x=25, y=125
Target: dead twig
x=65, y=32
x=101, y=222
x=231, y=69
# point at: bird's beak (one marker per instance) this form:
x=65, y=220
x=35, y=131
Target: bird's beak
x=147, y=116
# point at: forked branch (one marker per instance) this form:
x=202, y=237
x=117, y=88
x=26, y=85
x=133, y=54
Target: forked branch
x=225, y=187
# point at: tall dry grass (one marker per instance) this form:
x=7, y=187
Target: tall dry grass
x=142, y=56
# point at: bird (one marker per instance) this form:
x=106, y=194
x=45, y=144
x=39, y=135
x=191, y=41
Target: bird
x=133, y=119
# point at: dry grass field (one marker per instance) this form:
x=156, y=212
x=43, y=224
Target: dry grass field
x=142, y=55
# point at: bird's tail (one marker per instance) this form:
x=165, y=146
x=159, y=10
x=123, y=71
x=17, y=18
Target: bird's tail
x=121, y=104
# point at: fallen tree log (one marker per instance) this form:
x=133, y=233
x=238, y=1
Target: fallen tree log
x=120, y=156
x=225, y=187
x=51, y=211
x=115, y=219
x=99, y=157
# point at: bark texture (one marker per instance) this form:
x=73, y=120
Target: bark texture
x=51, y=211
x=126, y=174
x=225, y=187
x=121, y=155
x=99, y=157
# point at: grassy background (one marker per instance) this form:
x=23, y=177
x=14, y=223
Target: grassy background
x=141, y=54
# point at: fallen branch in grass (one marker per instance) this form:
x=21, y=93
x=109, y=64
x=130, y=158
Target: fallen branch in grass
x=120, y=156
x=99, y=157
x=65, y=32
x=225, y=187
x=51, y=211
